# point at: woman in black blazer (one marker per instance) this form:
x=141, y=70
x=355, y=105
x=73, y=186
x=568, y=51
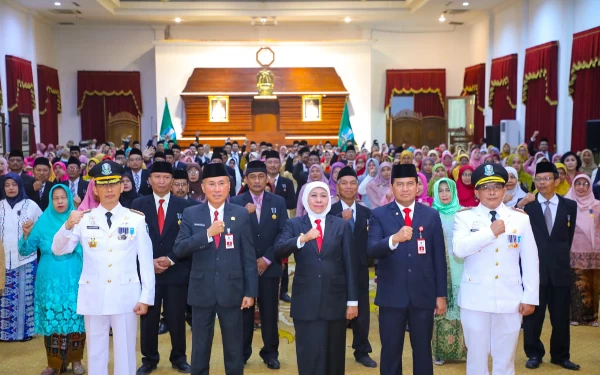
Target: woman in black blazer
x=324, y=286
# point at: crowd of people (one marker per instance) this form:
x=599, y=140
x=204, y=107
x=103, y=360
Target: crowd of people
x=487, y=238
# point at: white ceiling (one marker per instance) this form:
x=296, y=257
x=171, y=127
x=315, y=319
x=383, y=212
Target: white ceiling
x=396, y=15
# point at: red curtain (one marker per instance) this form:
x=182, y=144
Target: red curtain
x=503, y=88
x=427, y=85
x=540, y=91
x=21, y=98
x=474, y=84
x=101, y=93
x=584, y=85
x=49, y=103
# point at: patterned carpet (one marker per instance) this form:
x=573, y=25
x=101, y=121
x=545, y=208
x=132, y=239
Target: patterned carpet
x=29, y=358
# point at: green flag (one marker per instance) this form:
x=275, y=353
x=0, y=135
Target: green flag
x=345, y=134
x=166, y=127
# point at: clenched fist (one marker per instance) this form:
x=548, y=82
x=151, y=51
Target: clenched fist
x=216, y=228
x=404, y=234
x=498, y=227
x=251, y=208
x=74, y=218
x=347, y=214
x=311, y=235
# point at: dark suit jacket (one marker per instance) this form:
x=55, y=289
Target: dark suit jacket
x=324, y=282
x=180, y=165
x=162, y=244
x=81, y=187
x=285, y=189
x=268, y=229
x=359, y=243
x=300, y=176
x=145, y=188
x=532, y=151
x=554, y=251
x=404, y=276
x=44, y=201
x=219, y=276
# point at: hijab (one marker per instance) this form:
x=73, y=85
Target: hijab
x=360, y=172
x=423, y=198
x=524, y=177
x=65, y=176
x=20, y=195
x=196, y=192
x=299, y=207
x=588, y=169
x=332, y=183
x=447, y=164
x=503, y=154
x=585, y=206
x=430, y=174
x=88, y=201
x=128, y=196
x=563, y=187
x=476, y=162
x=466, y=193
x=51, y=220
x=450, y=208
x=517, y=193
x=435, y=179
x=238, y=175
x=310, y=187
x=378, y=187
x=523, y=146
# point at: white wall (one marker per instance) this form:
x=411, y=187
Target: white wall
x=527, y=23
x=24, y=35
x=350, y=59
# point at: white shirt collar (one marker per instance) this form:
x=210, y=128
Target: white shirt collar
x=553, y=200
x=220, y=210
x=401, y=207
x=166, y=198
x=353, y=207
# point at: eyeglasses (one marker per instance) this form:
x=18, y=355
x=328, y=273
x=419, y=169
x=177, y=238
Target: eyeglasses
x=585, y=183
x=491, y=187
x=179, y=184
x=543, y=179
x=72, y=168
x=193, y=173
x=135, y=159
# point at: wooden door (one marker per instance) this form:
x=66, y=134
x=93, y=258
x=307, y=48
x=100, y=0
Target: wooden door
x=265, y=122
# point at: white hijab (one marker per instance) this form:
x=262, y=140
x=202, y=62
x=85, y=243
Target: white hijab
x=238, y=175
x=310, y=187
x=517, y=192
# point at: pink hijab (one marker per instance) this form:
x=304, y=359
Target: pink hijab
x=424, y=198
x=378, y=187
x=88, y=201
x=65, y=176
x=475, y=163
x=585, y=205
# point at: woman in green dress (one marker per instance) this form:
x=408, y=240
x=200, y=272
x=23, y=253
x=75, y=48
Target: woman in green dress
x=57, y=283
x=448, y=341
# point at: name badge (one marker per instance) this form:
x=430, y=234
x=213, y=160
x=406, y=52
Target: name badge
x=421, y=249
x=228, y=240
x=93, y=227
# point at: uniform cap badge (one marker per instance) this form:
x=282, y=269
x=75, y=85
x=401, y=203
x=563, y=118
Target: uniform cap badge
x=489, y=170
x=106, y=169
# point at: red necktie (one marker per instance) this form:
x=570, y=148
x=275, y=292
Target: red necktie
x=320, y=238
x=217, y=238
x=407, y=219
x=161, y=215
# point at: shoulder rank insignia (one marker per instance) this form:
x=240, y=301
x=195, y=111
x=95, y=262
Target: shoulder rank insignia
x=519, y=210
x=86, y=211
x=136, y=211
x=464, y=209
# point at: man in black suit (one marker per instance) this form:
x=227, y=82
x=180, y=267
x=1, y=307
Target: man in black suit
x=140, y=176
x=284, y=187
x=218, y=157
x=176, y=156
x=543, y=147
x=39, y=190
x=224, y=276
x=412, y=273
x=553, y=221
x=75, y=183
x=300, y=172
x=358, y=217
x=163, y=212
x=268, y=215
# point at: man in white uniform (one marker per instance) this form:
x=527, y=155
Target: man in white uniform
x=110, y=293
x=493, y=297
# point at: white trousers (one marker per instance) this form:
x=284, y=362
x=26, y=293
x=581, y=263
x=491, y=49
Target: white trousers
x=489, y=333
x=124, y=327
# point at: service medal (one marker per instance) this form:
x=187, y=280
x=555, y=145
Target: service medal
x=92, y=243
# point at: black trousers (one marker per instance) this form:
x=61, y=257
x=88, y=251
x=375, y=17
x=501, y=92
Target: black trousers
x=173, y=299
x=230, y=321
x=558, y=301
x=392, y=325
x=268, y=300
x=360, y=326
x=285, y=280
x=320, y=346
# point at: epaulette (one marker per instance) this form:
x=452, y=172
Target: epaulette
x=464, y=209
x=86, y=211
x=137, y=212
x=519, y=210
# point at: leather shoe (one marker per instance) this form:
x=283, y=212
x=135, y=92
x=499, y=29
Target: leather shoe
x=367, y=361
x=182, y=367
x=272, y=363
x=533, y=362
x=567, y=364
x=146, y=369
x=162, y=328
x=285, y=298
